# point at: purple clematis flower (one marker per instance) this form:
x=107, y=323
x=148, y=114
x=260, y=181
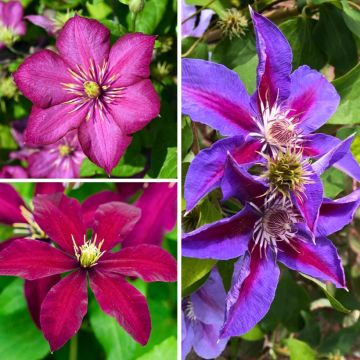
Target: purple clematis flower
x=14, y=212
x=202, y=318
x=261, y=234
x=65, y=305
x=105, y=94
x=12, y=25
x=191, y=27
x=283, y=112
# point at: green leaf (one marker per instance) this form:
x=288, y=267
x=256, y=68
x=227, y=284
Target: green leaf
x=169, y=168
x=99, y=9
x=194, y=270
x=335, y=39
x=6, y=139
x=200, y=50
x=300, y=350
x=333, y=181
x=115, y=27
x=247, y=73
x=89, y=169
x=348, y=87
x=300, y=34
x=20, y=339
x=12, y=298
x=116, y=342
x=336, y=304
x=351, y=17
x=166, y=350
x=255, y=334
x=219, y=6
x=187, y=137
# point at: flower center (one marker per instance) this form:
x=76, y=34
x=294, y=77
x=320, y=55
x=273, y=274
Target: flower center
x=65, y=150
x=287, y=172
x=7, y=36
x=89, y=253
x=189, y=309
x=30, y=228
x=92, y=89
x=276, y=224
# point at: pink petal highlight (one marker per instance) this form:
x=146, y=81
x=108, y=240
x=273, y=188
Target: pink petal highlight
x=63, y=309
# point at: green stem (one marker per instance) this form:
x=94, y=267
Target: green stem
x=133, y=22
x=73, y=348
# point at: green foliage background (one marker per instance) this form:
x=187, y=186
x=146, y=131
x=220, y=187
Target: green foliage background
x=100, y=336
x=152, y=153
x=308, y=320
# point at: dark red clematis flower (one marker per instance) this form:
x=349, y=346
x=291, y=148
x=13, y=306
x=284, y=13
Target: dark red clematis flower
x=65, y=305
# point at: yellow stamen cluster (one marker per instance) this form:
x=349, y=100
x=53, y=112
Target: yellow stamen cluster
x=233, y=24
x=89, y=253
x=7, y=36
x=92, y=89
x=65, y=150
x=30, y=227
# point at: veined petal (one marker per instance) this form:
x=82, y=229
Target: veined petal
x=127, y=305
x=63, y=309
x=333, y=156
x=275, y=59
x=41, y=77
x=312, y=99
x=35, y=293
x=10, y=202
x=83, y=40
x=319, y=260
x=147, y=262
x=103, y=141
x=224, y=239
x=335, y=214
x=60, y=218
x=158, y=214
x=48, y=188
x=47, y=126
x=34, y=259
x=207, y=344
x=208, y=302
x=136, y=107
x=239, y=183
x=113, y=222
x=130, y=58
x=215, y=96
x=252, y=291
x=91, y=204
x=12, y=14
x=187, y=338
x=207, y=168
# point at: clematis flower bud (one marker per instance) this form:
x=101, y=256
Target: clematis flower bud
x=136, y=6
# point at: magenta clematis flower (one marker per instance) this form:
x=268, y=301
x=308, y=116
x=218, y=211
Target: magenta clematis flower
x=284, y=111
x=105, y=94
x=13, y=172
x=261, y=234
x=202, y=318
x=65, y=305
x=12, y=25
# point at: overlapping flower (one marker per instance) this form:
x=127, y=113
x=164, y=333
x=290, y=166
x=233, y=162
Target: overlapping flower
x=284, y=216
x=55, y=240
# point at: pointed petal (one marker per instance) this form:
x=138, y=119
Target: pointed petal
x=187, y=338
x=130, y=58
x=215, y=96
x=103, y=141
x=158, y=204
x=136, y=107
x=333, y=156
x=34, y=259
x=63, y=309
x=335, y=214
x=10, y=202
x=208, y=302
x=35, y=293
x=113, y=222
x=147, y=262
x=127, y=305
x=224, y=239
x=319, y=260
x=252, y=291
x=237, y=182
x=206, y=340
x=312, y=99
x=207, y=168
x=60, y=218
x=91, y=204
x=41, y=77
x=44, y=22
x=12, y=13
x=275, y=58
x=47, y=126
x=84, y=40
